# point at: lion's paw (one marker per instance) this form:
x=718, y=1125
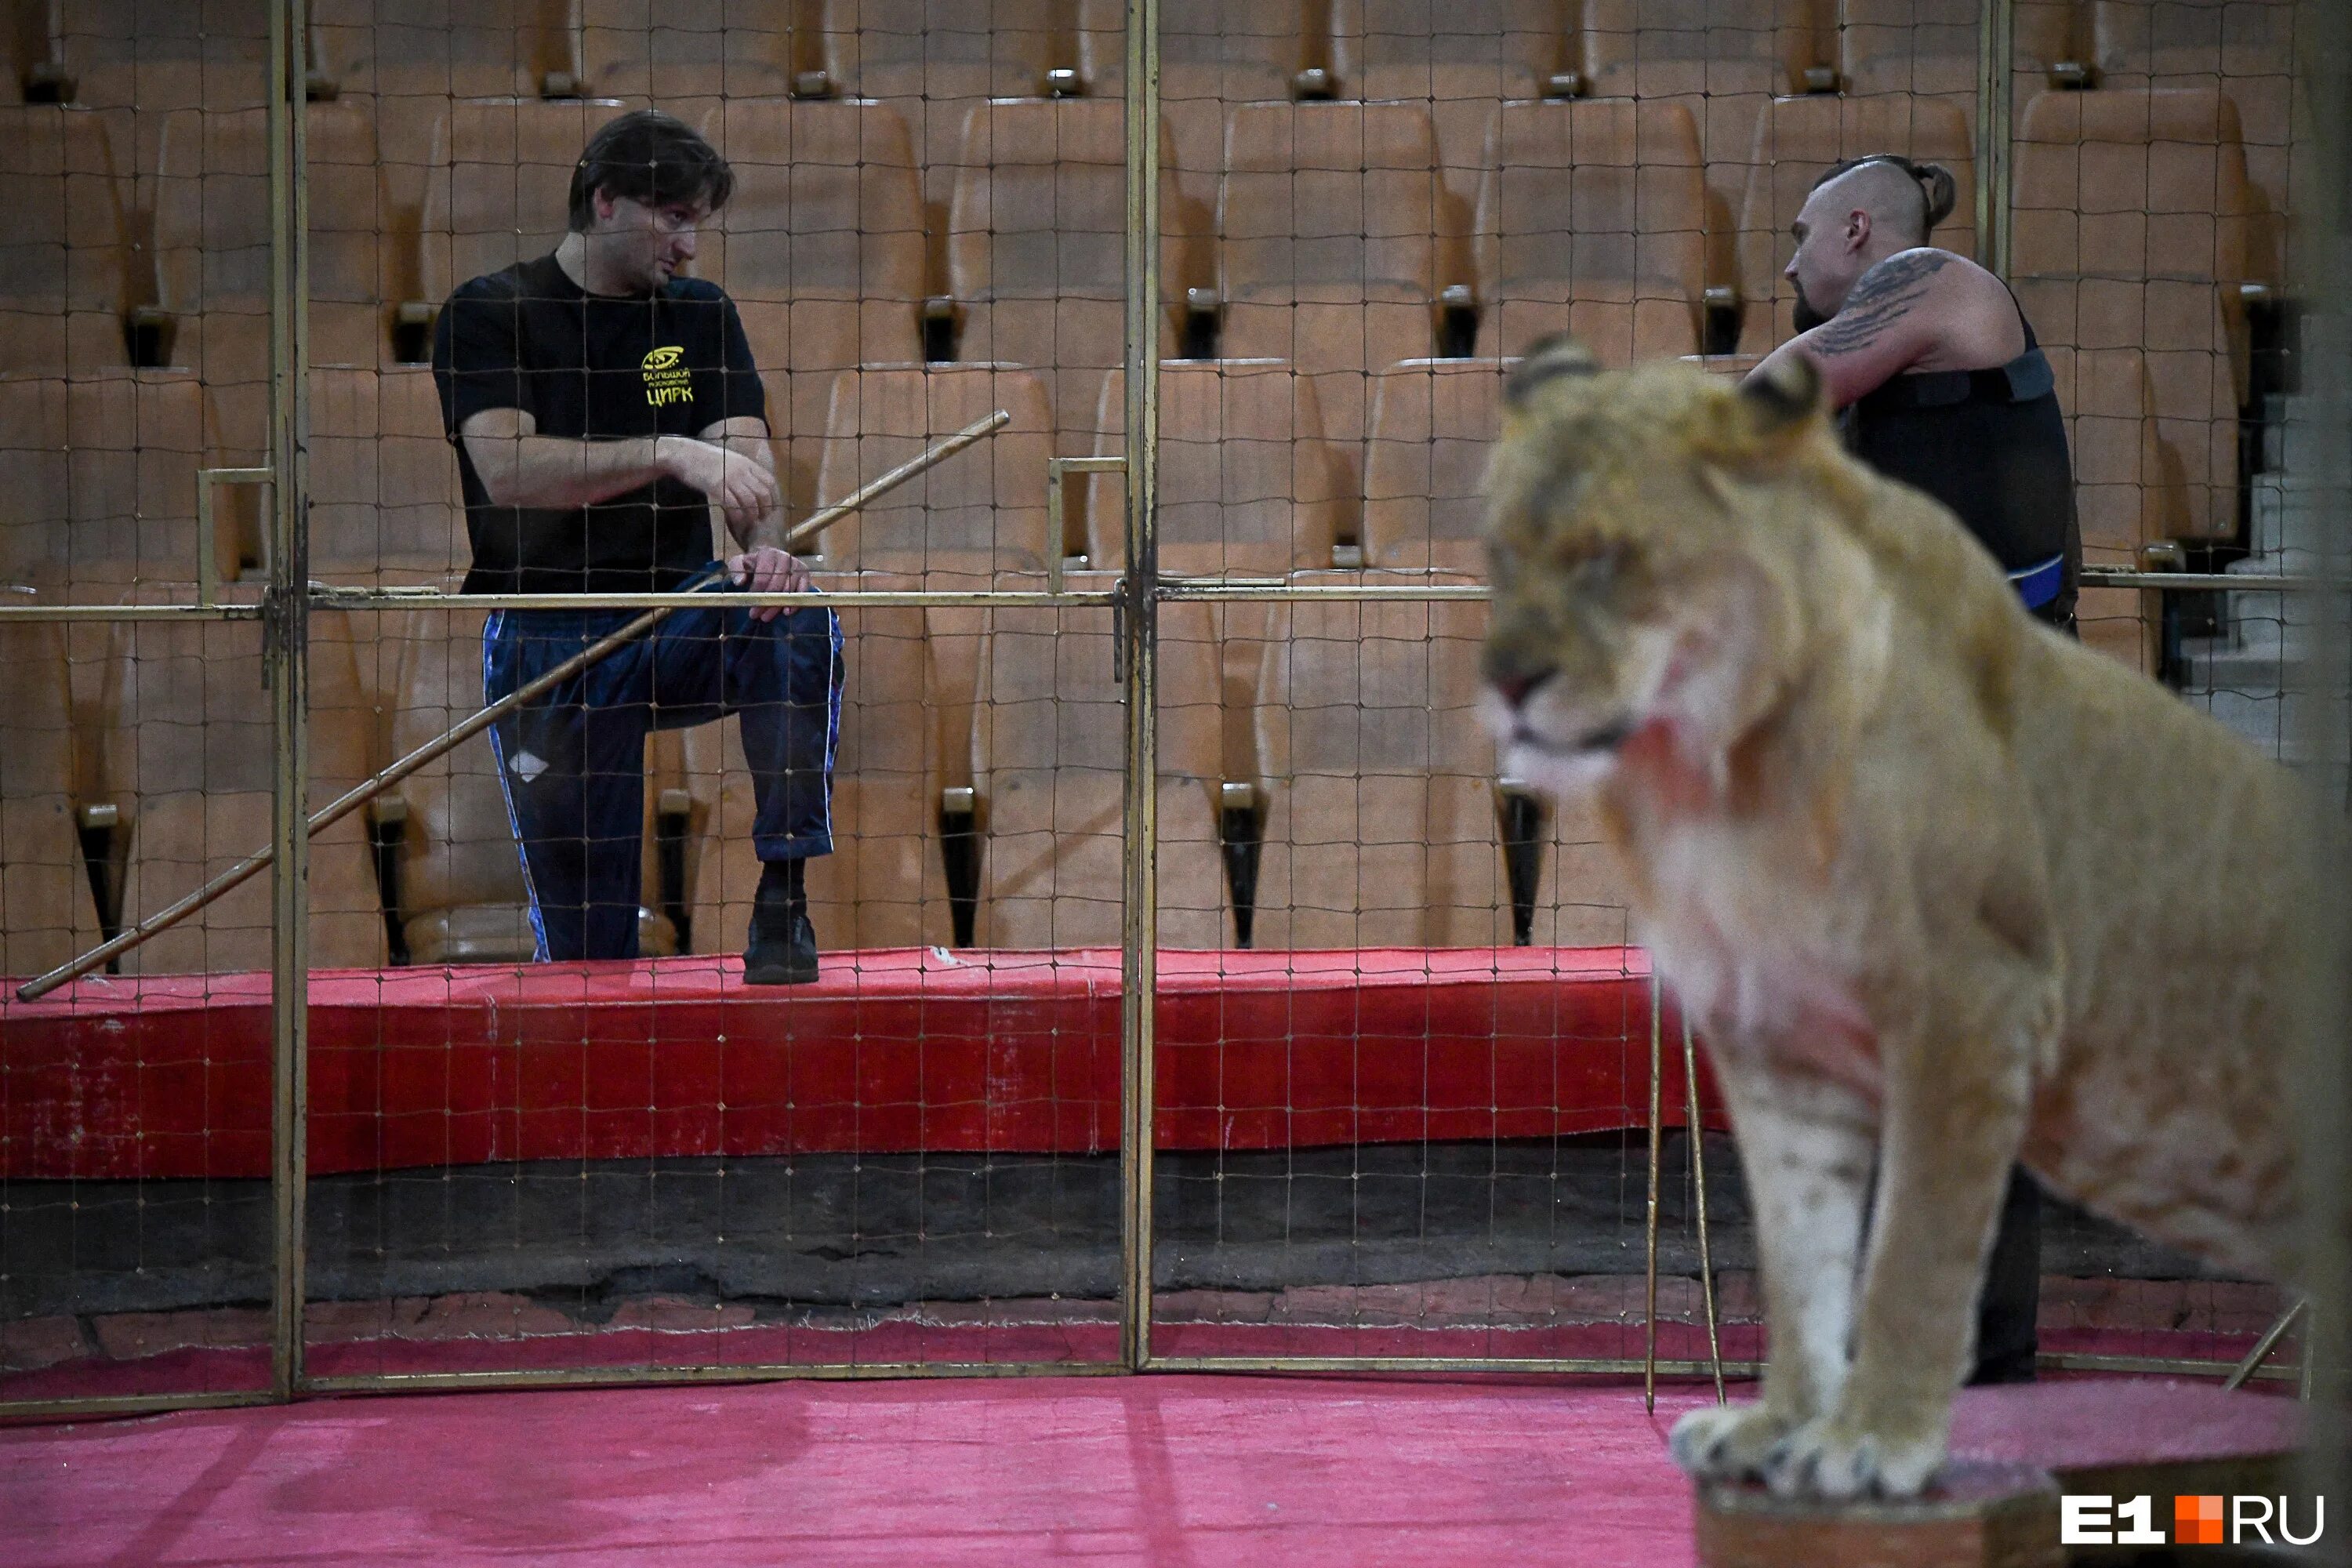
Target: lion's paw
x=1725, y=1442
x=1833, y=1459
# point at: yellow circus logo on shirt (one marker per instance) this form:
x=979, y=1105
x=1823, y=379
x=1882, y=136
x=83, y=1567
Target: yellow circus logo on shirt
x=667, y=380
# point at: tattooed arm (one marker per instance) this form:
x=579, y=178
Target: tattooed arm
x=1890, y=322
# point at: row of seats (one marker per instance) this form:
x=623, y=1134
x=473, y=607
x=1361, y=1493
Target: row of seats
x=937, y=57
x=2131, y=230
x=97, y=477
x=1368, y=786
x=946, y=50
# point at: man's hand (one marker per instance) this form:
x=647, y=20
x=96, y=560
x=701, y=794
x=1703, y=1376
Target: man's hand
x=741, y=487
x=768, y=570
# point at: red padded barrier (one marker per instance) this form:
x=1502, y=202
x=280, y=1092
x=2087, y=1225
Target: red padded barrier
x=902, y=1050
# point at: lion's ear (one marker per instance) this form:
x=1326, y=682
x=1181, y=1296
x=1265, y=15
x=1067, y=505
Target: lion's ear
x=1782, y=395
x=1548, y=359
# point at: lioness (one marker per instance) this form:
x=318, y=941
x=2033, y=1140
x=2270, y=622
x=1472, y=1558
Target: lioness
x=1944, y=890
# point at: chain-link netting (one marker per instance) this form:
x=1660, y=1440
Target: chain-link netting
x=1404, y=1086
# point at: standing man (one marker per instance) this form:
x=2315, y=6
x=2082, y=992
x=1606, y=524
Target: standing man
x=601, y=404
x=1943, y=387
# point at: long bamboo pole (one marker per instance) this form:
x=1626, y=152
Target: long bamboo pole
x=360, y=795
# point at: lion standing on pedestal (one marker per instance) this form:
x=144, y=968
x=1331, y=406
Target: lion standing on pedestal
x=1945, y=889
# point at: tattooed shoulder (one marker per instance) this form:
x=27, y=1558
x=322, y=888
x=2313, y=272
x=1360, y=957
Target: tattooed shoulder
x=1879, y=297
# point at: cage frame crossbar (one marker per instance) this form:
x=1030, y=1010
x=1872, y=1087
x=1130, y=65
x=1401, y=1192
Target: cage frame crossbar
x=290, y=598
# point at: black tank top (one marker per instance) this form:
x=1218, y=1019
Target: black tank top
x=1991, y=445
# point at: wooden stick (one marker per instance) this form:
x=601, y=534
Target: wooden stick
x=359, y=795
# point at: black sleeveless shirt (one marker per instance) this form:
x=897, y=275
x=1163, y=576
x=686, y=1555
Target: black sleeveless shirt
x=1991, y=445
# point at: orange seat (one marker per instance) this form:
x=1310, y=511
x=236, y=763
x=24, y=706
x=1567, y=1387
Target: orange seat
x=489, y=48
x=97, y=479
x=383, y=480
x=2130, y=232
x=975, y=519
x=821, y=249
x=1434, y=422
x=1328, y=219
x=1381, y=825
x=63, y=260
x=981, y=511
x=1036, y=244
x=936, y=60
x=46, y=913
x=1247, y=484
x=497, y=187
x=1924, y=47
x=183, y=753
x=210, y=191
x=684, y=56
x=1461, y=59
x=1798, y=140
x=464, y=898
x=1048, y=767
x=1248, y=488
x=1593, y=218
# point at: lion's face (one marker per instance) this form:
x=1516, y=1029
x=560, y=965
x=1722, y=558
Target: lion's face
x=1628, y=595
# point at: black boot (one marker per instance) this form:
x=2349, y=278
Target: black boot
x=782, y=949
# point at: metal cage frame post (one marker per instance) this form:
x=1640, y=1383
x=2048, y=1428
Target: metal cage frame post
x=285, y=667
x=1138, y=635
x=1996, y=102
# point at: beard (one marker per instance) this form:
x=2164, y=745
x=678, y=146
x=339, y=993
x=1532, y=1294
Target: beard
x=1806, y=318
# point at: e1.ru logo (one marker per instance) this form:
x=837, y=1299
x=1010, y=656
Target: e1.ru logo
x=2091, y=1519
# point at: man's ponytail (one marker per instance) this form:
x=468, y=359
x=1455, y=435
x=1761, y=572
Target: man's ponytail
x=1940, y=189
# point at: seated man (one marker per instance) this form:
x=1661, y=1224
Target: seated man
x=601, y=404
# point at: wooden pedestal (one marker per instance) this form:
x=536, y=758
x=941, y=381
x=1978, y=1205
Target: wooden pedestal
x=2015, y=1451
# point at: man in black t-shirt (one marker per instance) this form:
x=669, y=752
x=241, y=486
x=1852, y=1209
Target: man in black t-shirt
x=601, y=404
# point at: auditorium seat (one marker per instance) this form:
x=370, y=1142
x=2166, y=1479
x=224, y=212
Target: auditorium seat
x=1798, y=140
x=1248, y=487
x=63, y=261
x=210, y=193
x=974, y=520
x=1380, y=806
x=1048, y=767
x=1721, y=59
x=2130, y=232
x=685, y=55
x=98, y=484
x=1592, y=217
x=979, y=513
x=2125, y=493
x=1036, y=245
x=46, y=913
x=1924, y=47
x=1229, y=51
x=938, y=60
x=185, y=754
x=1461, y=59
x=2134, y=39
x=462, y=892
x=2246, y=47
x=1328, y=223
x=363, y=232
x=383, y=478
x=821, y=249
x=1435, y=423
x=497, y=188
x=482, y=48
x=883, y=885
x=157, y=58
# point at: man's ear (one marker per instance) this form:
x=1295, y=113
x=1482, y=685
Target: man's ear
x=1857, y=228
